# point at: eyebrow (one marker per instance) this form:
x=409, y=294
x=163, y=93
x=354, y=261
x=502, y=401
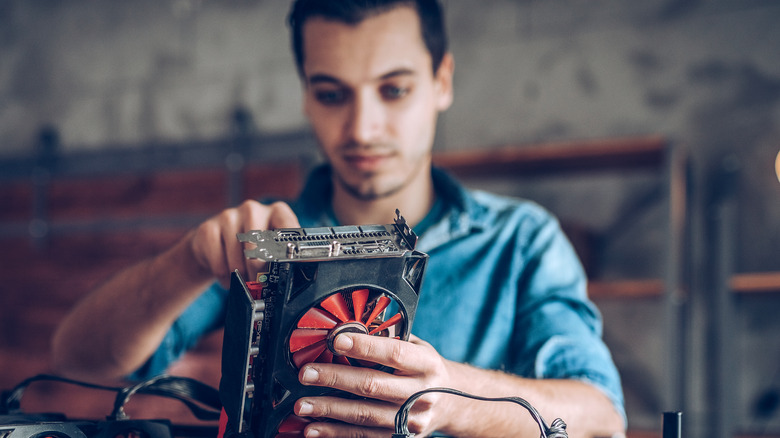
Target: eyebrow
x=320, y=78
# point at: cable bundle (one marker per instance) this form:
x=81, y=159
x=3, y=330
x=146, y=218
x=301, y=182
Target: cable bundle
x=189, y=391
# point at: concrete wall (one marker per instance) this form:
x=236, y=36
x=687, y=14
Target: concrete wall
x=704, y=74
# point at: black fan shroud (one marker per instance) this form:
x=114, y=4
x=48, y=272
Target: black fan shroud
x=333, y=293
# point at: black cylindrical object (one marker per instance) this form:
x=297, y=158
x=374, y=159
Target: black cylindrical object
x=672, y=425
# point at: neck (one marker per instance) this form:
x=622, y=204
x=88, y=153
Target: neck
x=414, y=202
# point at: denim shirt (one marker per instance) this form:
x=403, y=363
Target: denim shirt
x=503, y=290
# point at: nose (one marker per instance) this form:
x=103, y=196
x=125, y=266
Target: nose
x=367, y=119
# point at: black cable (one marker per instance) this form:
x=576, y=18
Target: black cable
x=183, y=389
x=556, y=430
x=11, y=401
x=189, y=391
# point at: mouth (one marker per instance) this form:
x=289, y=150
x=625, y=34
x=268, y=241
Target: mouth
x=367, y=162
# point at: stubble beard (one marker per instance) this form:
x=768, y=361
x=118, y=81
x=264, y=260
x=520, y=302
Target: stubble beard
x=371, y=192
x=368, y=188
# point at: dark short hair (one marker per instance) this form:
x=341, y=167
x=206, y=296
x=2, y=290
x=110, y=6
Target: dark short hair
x=354, y=11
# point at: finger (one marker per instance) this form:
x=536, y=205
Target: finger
x=363, y=382
x=365, y=413
x=282, y=216
x=215, y=243
x=417, y=341
x=341, y=430
x=409, y=357
x=370, y=415
x=233, y=249
x=256, y=216
x=248, y=216
x=206, y=245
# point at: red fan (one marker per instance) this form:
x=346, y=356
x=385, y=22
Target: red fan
x=312, y=340
x=292, y=427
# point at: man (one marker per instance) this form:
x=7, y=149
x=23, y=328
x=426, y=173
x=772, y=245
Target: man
x=503, y=303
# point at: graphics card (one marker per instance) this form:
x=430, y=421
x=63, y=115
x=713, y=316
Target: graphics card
x=319, y=282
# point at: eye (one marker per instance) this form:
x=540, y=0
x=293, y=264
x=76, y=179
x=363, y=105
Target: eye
x=330, y=97
x=392, y=92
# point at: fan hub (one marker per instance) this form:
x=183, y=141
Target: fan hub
x=347, y=327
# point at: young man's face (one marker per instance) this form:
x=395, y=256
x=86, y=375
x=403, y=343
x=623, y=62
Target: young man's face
x=372, y=99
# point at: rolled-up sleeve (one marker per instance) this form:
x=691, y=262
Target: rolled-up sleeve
x=205, y=314
x=560, y=326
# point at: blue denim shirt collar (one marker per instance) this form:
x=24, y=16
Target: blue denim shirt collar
x=462, y=213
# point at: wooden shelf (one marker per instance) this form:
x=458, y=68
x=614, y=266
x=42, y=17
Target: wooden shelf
x=533, y=160
x=746, y=283
x=626, y=288
x=758, y=282
x=643, y=434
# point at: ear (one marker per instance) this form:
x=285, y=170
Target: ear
x=443, y=82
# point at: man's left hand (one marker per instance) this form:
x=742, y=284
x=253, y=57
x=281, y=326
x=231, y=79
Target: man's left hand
x=417, y=366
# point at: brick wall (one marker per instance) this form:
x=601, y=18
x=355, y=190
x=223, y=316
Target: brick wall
x=98, y=226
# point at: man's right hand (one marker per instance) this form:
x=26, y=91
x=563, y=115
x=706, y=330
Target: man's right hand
x=100, y=340
x=216, y=248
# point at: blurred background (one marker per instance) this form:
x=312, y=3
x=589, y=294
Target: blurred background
x=650, y=128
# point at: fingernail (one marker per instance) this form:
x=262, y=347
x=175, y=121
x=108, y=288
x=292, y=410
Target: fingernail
x=343, y=343
x=310, y=375
x=305, y=408
x=312, y=433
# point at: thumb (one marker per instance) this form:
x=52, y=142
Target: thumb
x=282, y=216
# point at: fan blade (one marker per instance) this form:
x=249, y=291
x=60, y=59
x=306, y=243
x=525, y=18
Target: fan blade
x=341, y=359
x=308, y=354
x=390, y=322
x=301, y=338
x=325, y=357
x=336, y=305
x=293, y=423
x=359, y=298
x=367, y=364
x=316, y=318
x=381, y=304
